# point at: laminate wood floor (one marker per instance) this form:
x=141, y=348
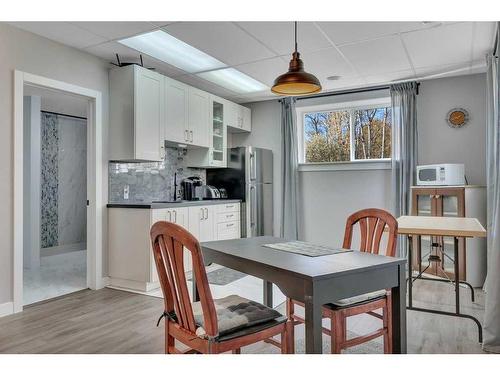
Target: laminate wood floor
x=113, y=321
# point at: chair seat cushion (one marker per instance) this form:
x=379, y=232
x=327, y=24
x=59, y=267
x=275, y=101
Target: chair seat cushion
x=345, y=302
x=235, y=313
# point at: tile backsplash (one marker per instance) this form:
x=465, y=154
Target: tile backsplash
x=149, y=182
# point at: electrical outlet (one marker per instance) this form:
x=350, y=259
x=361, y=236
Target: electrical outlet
x=126, y=191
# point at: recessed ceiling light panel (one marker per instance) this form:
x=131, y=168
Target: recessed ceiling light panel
x=165, y=47
x=233, y=80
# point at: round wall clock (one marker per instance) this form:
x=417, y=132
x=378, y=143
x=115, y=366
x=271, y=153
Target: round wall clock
x=457, y=117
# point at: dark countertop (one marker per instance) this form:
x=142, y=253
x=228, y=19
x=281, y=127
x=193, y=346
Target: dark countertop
x=153, y=205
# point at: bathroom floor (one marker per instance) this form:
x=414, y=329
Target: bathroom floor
x=58, y=275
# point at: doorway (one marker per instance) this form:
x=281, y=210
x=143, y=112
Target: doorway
x=24, y=85
x=55, y=194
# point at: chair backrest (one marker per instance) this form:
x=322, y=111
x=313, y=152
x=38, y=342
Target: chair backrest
x=372, y=222
x=169, y=242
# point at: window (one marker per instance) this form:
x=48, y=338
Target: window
x=345, y=132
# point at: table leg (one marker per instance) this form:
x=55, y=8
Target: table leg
x=457, y=278
x=313, y=318
x=196, y=295
x=268, y=294
x=398, y=294
x=410, y=273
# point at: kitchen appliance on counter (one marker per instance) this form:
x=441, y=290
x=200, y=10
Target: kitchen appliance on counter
x=189, y=191
x=208, y=192
x=248, y=177
x=441, y=174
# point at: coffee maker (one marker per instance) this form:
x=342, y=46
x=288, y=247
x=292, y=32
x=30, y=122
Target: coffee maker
x=189, y=190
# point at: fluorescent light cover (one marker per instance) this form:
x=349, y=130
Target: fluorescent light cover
x=165, y=47
x=233, y=80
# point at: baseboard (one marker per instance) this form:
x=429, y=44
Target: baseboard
x=132, y=285
x=105, y=281
x=6, y=308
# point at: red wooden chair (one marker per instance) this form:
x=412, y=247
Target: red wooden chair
x=207, y=326
x=372, y=223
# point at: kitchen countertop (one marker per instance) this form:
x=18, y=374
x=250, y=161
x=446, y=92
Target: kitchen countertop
x=153, y=205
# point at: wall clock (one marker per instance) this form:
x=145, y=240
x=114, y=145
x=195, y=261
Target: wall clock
x=457, y=117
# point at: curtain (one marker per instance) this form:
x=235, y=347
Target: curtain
x=491, y=329
x=404, y=149
x=289, y=165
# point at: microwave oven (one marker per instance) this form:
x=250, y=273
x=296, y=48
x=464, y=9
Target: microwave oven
x=441, y=174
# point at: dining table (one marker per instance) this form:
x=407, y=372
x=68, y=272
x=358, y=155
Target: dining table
x=315, y=280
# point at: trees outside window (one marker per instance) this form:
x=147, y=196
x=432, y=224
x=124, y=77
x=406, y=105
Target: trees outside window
x=347, y=135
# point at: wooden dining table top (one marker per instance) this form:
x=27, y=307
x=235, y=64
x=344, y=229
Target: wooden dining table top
x=440, y=226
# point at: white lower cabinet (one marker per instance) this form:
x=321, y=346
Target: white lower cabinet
x=131, y=261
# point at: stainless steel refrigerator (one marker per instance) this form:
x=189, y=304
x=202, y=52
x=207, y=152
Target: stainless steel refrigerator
x=249, y=177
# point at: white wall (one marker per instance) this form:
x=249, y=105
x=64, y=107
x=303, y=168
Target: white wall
x=30, y=53
x=327, y=198
x=438, y=142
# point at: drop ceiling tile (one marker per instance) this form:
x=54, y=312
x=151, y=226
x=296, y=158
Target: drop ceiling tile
x=446, y=70
x=377, y=56
x=390, y=77
x=325, y=63
x=108, y=51
x=62, y=32
x=279, y=36
x=223, y=40
x=440, y=46
x=348, y=32
x=205, y=85
x=116, y=30
x=484, y=37
x=264, y=71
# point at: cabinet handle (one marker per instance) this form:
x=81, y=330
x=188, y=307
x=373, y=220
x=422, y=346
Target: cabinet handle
x=169, y=215
x=191, y=133
x=202, y=216
x=206, y=213
x=175, y=216
x=186, y=135
x=228, y=216
x=229, y=225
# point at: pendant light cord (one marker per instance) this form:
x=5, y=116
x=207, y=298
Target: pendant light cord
x=295, y=36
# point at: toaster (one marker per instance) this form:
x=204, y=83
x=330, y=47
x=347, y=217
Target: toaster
x=208, y=192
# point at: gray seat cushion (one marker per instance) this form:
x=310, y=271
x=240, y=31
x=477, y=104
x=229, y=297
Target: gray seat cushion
x=235, y=313
x=345, y=302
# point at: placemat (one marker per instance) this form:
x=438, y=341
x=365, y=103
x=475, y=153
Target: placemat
x=305, y=248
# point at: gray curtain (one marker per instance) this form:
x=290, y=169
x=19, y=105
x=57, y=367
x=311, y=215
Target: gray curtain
x=289, y=164
x=404, y=148
x=491, y=327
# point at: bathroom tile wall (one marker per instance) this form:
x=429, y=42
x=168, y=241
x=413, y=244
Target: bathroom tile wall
x=149, y=182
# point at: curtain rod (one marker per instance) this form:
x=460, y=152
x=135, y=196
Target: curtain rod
x=63, y=114
x=352, y=91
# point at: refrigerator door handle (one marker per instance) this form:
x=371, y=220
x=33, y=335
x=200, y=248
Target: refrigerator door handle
x=253, y=203
x=253, y=171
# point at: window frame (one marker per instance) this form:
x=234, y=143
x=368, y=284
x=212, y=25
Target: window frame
x=351, y=106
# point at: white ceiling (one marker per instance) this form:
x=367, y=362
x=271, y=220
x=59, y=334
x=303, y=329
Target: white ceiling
x=361, y=53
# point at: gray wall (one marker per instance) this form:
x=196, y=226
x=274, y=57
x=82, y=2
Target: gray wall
x=327, y=198
x=438, y=142
x=30, y=53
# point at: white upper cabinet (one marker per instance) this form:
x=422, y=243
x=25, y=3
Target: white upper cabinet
x=136, y=114
x=176, y=111
x=198, y=117
x=148, y=110
x=216, y=154
x=238, y=117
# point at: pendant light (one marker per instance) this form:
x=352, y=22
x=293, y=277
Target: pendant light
x=296, y=81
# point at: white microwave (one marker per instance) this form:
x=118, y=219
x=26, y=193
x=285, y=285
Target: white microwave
x=441, y=174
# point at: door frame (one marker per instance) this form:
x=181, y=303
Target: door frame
x=95, y=208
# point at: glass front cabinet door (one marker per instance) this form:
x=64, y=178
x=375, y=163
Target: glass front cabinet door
x=219, y=135
x=434, y=255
